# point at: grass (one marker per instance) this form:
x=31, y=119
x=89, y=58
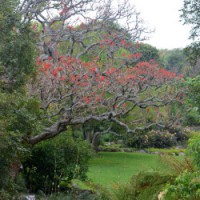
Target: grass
x=112, y=168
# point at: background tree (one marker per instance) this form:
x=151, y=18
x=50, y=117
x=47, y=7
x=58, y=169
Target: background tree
x=190, y=15
x=175, y=60
x=148, y=53
x=193, y=101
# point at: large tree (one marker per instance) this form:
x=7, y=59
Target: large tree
x=93, y=79
x=16, y=66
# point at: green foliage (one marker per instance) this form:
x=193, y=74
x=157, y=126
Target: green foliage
x=156, y=139
x=194, y=91
x=192, y=101
x=10, y=151
x=165, y=151
x=187, y=183
x=192, y=118
x=186, y=187
x=148, y=185
x=148, y=53
x=70, y=196
x=111, y=148
x=194, y=149
x=17, y=112
x=190, y=15
x=16, y=47
x=17, y=117
x=56, y=162
x=145, y=185
x=177, y=165
x=174, y=60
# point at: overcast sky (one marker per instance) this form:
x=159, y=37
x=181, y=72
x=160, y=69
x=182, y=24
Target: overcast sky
x=163, y=15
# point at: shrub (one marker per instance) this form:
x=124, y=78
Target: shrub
x=145, y=185
x=11, y=152
x=53, y=161
x=186, y=186
x=156, y=139
x=175, y=165
x=193, y=149
x=192, y=118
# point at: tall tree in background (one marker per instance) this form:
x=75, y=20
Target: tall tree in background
x=148, y=53
x=16, y=66
x=190, y=15
x=175, y=60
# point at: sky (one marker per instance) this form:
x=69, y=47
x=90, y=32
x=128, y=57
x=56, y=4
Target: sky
x=163, y=17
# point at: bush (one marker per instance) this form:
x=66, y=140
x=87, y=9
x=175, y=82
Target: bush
x=156, y=139
x=53, y=161
x=186, y=186
x=192, y=118
x=168, y=151
x=145, y=185
x=11, y=152
x=193, y=149
x=175, y=165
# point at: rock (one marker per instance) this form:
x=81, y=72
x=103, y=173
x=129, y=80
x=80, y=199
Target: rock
x=109, y=143
x=142, y=151
x=161, y=195
x=181, y=154
x=180, y=147
x=29, y=197
x=44, y=57
x=120, y=141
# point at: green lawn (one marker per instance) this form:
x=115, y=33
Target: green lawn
x=109, y=169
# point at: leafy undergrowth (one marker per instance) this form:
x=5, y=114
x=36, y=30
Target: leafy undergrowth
x=165, y=151
x=120, y=148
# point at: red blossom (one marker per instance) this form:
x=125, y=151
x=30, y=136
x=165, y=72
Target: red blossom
x=86, y=100
x=85, y=77
x=123, y=42
x=55, y=72
x=63, y=78
x=102, y=78
x=46, y=65
x=59, y=68
x=98, y=98
x=111, y=71
x=93, y=69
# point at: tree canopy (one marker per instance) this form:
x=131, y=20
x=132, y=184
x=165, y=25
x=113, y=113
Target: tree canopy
x=190, y=15
x=93, y=78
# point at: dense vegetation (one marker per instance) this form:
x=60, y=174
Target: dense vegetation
x=70, y=85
